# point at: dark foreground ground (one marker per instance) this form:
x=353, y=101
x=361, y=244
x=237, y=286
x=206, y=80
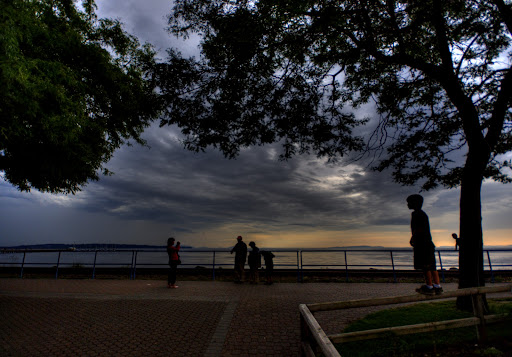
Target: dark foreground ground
x=102, y=317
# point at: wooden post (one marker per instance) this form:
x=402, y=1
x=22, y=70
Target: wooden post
x=304, y=335
x=313, y=335
x=403, y=330
x=339, y=305
x=317, y=334
x=478, y=310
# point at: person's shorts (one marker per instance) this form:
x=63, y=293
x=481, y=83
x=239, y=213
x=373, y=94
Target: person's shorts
x=424, y=258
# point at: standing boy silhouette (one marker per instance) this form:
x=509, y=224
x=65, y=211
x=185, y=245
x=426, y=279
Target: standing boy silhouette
x=423, y=247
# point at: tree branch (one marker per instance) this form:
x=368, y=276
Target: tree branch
x=391, y=12
x=3, y=163
x=457, y=71
x=505, y=12
x=500, y=108
x=442, y=39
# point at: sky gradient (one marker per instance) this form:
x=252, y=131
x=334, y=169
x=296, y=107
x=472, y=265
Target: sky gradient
x=205, y=200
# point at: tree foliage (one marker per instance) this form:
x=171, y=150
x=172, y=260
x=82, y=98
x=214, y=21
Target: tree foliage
x=439, y=73
x=73, y=88
x=271, y=70
x=246, y=90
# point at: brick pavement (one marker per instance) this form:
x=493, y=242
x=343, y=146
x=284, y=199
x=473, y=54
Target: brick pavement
x=42, y=317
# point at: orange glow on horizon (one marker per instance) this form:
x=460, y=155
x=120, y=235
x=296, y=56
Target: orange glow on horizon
x=327, y=239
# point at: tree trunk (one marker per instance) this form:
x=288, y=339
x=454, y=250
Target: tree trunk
x=471, y=267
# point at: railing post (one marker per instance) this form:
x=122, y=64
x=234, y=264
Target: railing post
x=490, y=266
x=135, y=264
x=393, y=265
x=346, y=267
x=94, y=264
x=57, y=269
x=131, y=265
x=441, y=265
x=213, y=267
x=23, y=264
x=300, y=274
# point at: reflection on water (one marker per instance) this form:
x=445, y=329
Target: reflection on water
x=284, y=259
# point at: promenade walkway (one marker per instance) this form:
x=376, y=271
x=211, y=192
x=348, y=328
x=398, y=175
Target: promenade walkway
x=43, y=317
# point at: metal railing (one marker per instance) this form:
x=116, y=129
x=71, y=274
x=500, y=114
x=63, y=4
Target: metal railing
x=300, y=260
x=392, y=264
x=214, y=263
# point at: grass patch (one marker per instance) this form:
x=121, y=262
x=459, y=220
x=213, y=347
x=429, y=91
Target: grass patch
x=452, y=342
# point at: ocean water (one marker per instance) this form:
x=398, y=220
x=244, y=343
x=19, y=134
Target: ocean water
x=400, y=259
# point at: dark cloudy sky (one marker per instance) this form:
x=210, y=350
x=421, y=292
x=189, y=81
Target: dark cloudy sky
x=206, y=201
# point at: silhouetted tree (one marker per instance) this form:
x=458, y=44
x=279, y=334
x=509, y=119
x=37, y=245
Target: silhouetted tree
x=438, y=71
x=73, y=88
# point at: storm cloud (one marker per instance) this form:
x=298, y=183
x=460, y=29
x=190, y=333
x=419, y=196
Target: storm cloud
x=162, y=189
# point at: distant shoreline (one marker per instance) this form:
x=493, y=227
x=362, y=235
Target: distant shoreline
x=103, y=246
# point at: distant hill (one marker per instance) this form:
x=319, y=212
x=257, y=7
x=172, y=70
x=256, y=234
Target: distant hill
x=90, y=246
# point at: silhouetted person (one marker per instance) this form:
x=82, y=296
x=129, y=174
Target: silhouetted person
x=423, y=247
x=457, y=240
x=240, y=250
x=254, y=263
x=172, y=251
x=269, y=265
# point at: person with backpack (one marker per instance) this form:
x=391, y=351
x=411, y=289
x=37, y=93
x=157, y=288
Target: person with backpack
x=254, y=261
x=268, y=257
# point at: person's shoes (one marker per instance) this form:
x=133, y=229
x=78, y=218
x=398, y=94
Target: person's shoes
x=168, y=286
x=438, y=291
x=174, y=286
x=425, y=290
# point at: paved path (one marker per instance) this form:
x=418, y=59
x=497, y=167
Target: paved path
x=42, y=317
